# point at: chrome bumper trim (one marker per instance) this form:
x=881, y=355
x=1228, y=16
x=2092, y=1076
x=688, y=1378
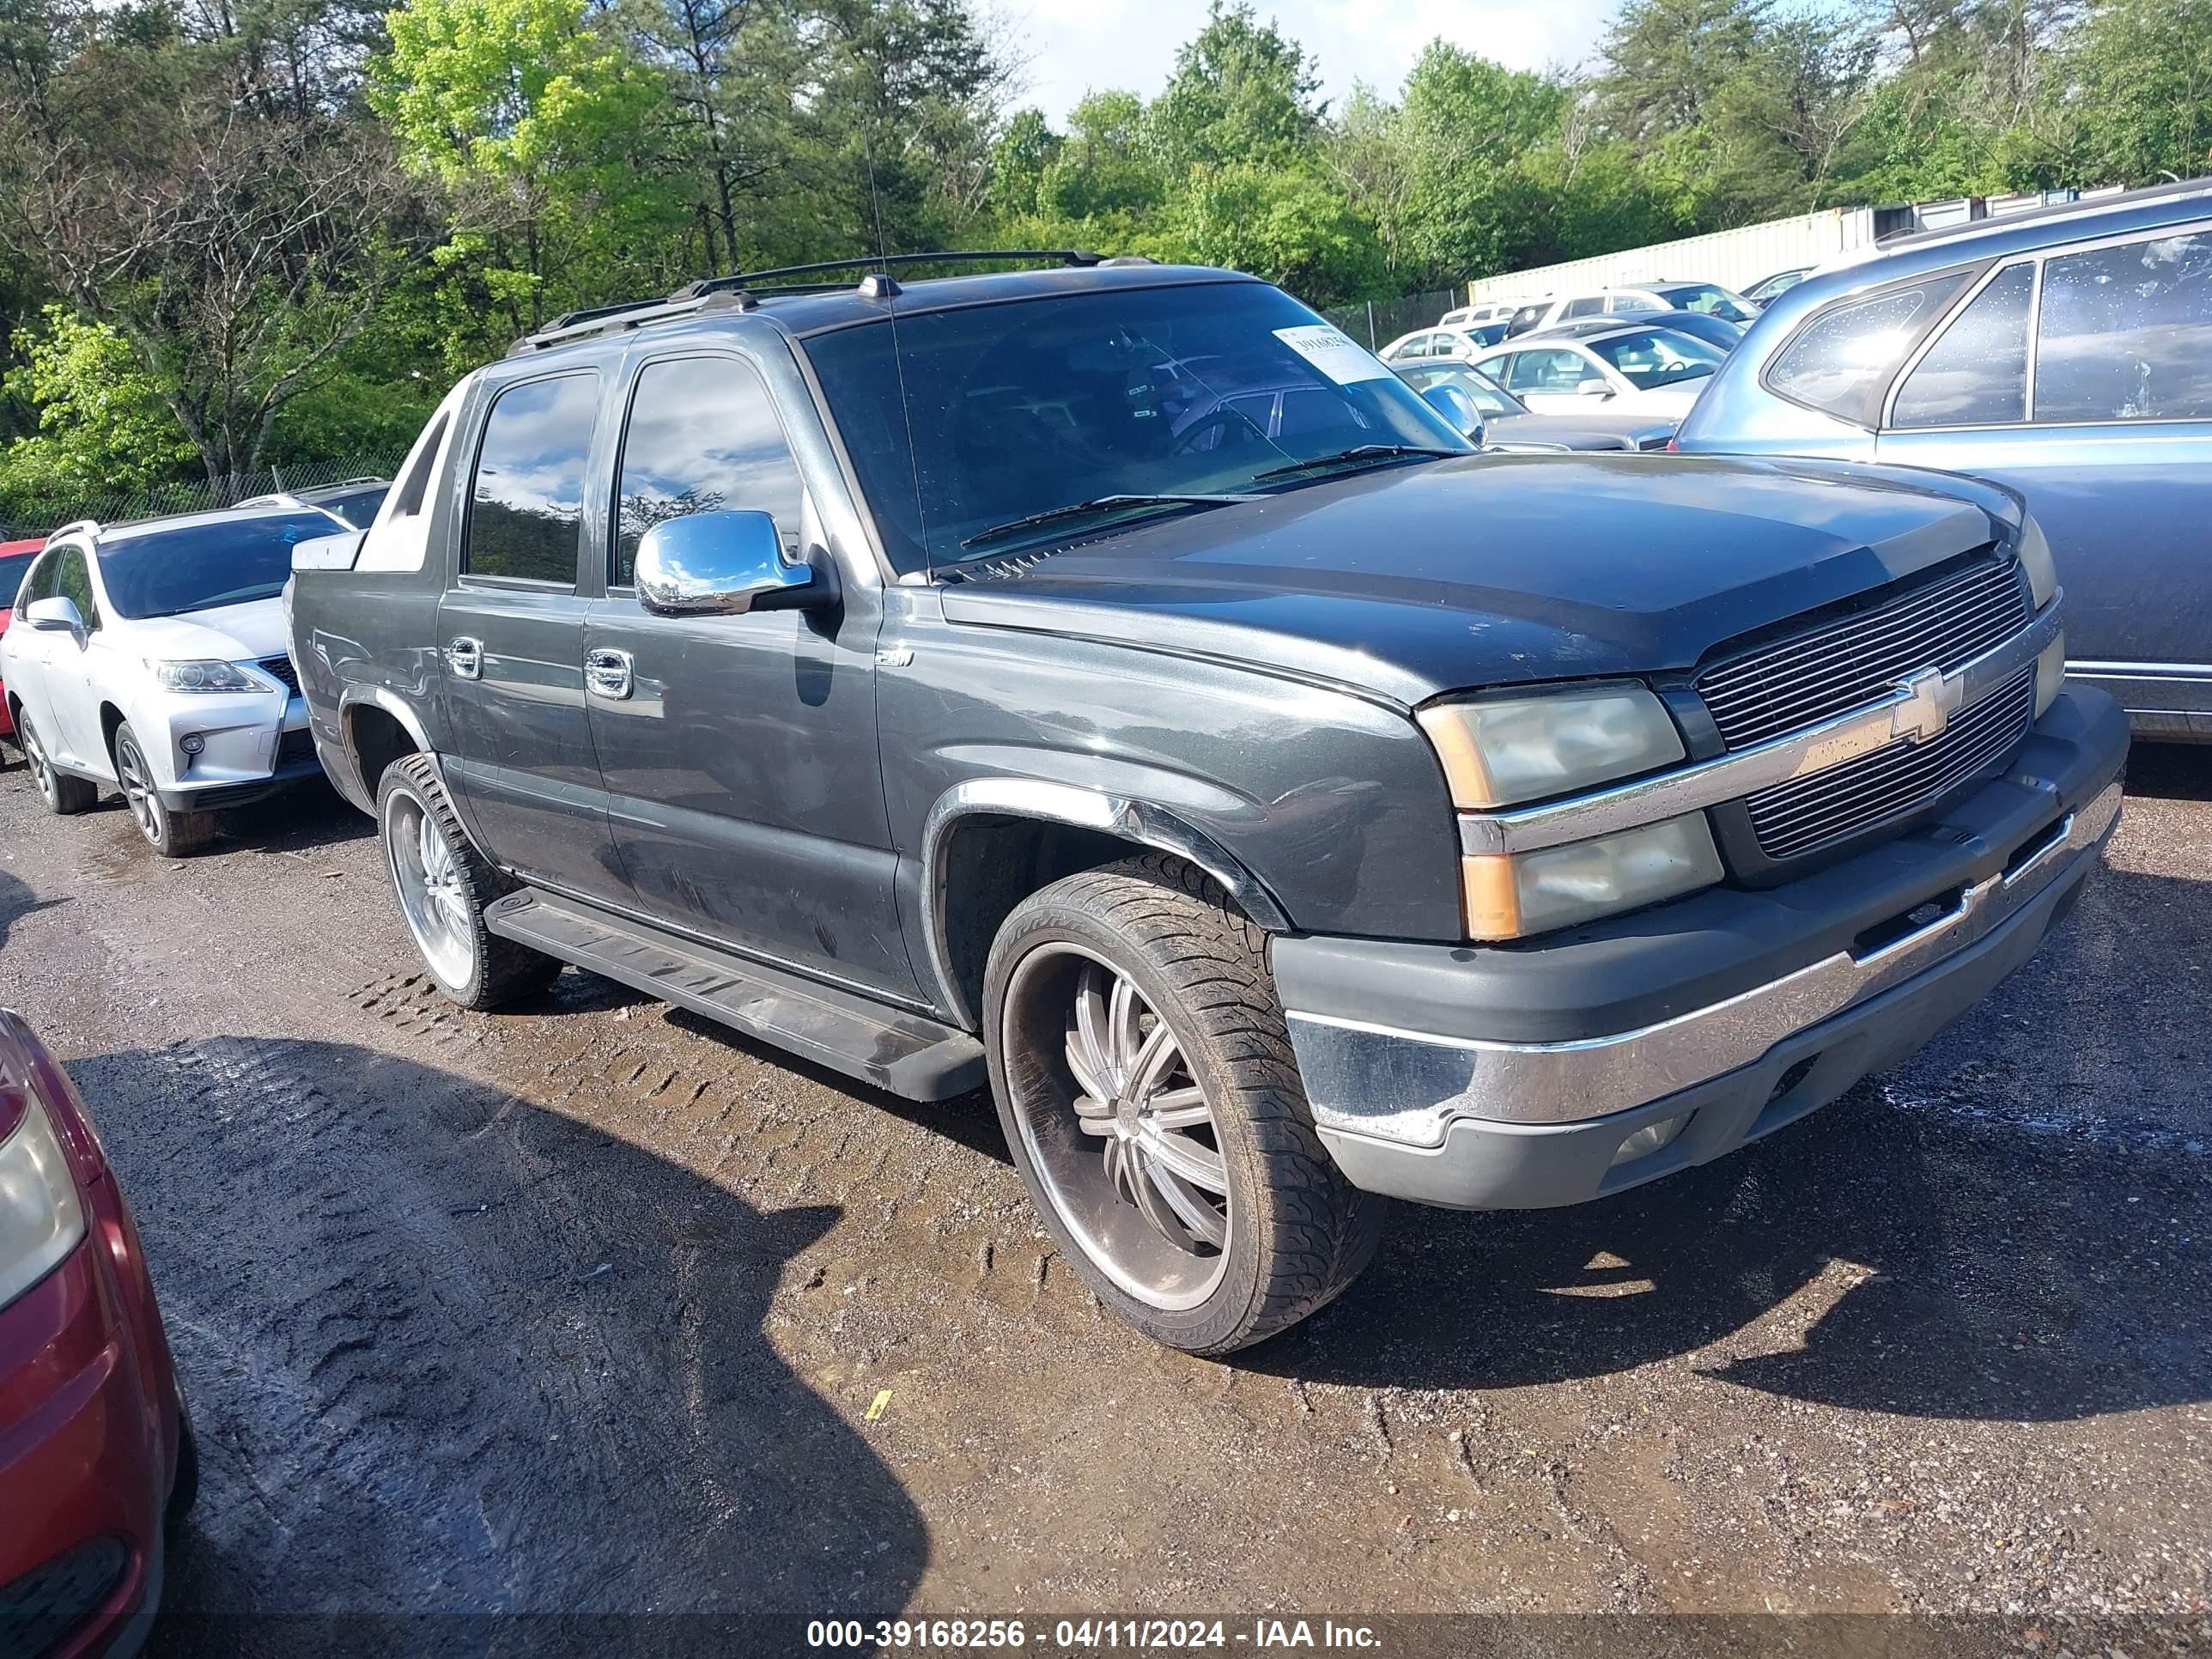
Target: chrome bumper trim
x=1916, y=710
x=1407, y=1086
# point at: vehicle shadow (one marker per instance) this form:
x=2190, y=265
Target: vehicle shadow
x=451, y=1353
x=18, y=900
x=2171, y=771
x=2009, y=1226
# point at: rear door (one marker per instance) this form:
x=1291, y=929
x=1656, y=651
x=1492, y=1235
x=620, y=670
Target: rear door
x=740, y=760
x=26, y=660
x=511, y=640
x=2083, y=379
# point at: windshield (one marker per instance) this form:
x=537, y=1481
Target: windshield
x=1488, y=397
x=990, y=414
x=13, y=567
x=1657, y=356
x=166, y=572
x=357, y=507
x=1704, y=297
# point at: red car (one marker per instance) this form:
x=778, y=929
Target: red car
x=14, y=560
x=95, y=1451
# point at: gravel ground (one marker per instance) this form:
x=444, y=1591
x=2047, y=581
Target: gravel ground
x=593, y=1307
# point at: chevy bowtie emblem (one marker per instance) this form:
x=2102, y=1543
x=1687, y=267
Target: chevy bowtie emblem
x=1925, y=709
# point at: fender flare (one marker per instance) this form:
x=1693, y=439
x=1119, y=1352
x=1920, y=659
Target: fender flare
x=1040, y=801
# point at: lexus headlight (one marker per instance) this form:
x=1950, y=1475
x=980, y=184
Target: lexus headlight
x=1509, y=895
x=208, y=675
x=1495, y=753
x=2034, y=554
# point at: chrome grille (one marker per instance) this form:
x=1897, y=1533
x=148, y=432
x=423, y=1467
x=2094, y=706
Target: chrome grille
x=1794, y=682
x=1806, y=813
x=281, y=669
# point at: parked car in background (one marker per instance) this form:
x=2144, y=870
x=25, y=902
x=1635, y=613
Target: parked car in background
x=1492, y=311
x=2065, y=353
x=1714, y=331
x=14, y=560
x=1277, y=814
x=1650, y=371
x=1767, y=290
x=1482, y=409
x=352, y=503
x=1707, y=299
x=1462, y=342
x=150, y=657
x=96, y=1452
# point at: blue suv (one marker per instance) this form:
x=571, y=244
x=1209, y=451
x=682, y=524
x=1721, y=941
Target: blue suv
x=2065, y=353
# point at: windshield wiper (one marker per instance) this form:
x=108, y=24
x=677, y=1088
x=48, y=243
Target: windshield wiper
x=1094, y=507
x=1356, y=452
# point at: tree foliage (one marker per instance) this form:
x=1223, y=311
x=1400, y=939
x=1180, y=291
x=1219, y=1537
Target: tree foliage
x=247, y=231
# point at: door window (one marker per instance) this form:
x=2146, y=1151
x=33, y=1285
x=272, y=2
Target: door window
x=1589, y=305
x=39, y=584
x=528, y=493
x=1843, y=359
x=73, y=582
x=1976, y=373
x=703, y=437
x=2126, y=333
x=1541, y=372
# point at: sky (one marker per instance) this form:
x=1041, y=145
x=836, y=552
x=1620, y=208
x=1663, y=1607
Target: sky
x=1079, y=45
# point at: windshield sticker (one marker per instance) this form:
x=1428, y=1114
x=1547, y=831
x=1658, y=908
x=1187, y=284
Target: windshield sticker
x=1334, y=353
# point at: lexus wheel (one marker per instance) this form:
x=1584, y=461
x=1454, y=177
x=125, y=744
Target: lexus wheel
x=62, y=792
x=1145, y=1079
x=172, y=834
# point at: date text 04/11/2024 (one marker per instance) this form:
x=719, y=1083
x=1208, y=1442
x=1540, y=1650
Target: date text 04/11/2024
x=1086, y=1636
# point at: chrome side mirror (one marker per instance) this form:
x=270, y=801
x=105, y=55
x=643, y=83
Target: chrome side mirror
x=1456, y=407
x=722, y=564
x=55, y=614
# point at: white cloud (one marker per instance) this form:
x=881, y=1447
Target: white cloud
x=1076, y=46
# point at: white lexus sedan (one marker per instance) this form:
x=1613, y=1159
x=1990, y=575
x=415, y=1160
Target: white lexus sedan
x=150, y=658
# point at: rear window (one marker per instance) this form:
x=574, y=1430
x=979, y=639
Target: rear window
x=166, y=573
x=529, y=491
x=1842, y=360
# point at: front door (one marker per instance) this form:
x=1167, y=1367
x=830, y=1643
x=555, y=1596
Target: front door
x=511, y=638
x=72, y=724
x=739, y=752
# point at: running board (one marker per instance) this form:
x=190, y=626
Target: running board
x=909, y=1054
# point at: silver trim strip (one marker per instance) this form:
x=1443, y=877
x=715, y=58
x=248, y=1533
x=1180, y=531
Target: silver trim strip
x=1407, y=1086
x=2139, y=669
x=1901, y=717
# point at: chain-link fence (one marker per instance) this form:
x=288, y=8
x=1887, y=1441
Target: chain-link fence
x=1375, y=323
x=26, y=513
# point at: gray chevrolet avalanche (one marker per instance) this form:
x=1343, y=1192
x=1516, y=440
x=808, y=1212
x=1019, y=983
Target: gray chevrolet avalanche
x=952, y=682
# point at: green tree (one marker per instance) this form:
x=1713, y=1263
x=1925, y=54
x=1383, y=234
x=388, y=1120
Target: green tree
x=1242, y=93
x=103, y=421
x=2136, y=81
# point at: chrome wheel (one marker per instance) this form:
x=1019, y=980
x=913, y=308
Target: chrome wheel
x=432, y=896
x=131, y=771
x=42, y=770
x=1120, y=1133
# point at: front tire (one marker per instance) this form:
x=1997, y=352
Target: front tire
x=444, y=886
x=1146, y=1082
x=173, y=835
x=64, y=794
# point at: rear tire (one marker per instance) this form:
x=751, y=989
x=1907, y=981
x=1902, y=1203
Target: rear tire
x=1146, y=1082
x=444, y=887
x=173, y=835
x=64, y=795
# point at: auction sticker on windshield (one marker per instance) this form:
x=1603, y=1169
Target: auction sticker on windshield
x=1334, y=353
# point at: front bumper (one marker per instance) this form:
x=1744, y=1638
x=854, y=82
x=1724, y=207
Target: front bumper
x=1510, y=1078
x=246, y=756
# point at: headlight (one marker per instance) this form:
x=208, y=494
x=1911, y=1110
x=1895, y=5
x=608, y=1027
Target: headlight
x=208, y=675
x=2049, y=674
x=1509, y=895
x=1500, y=752
x=2034, y=554
x=41, y=1219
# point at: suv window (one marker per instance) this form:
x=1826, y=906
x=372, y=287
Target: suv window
x=1976, y=373
x=73, y=581
x=1843, y=359
x=528, y=493
x=2126, y=333
x=703, y=437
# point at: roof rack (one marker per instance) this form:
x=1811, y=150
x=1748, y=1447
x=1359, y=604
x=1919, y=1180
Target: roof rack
x=89, y=526
x=735, y=289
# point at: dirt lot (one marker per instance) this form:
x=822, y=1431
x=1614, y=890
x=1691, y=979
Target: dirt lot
x=585, y=1308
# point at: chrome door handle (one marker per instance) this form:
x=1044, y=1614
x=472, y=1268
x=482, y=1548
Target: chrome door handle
x=606, y=673
x=464, y=656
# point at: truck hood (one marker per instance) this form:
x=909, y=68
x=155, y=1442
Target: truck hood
x=235, y=633
x=1495, y=569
